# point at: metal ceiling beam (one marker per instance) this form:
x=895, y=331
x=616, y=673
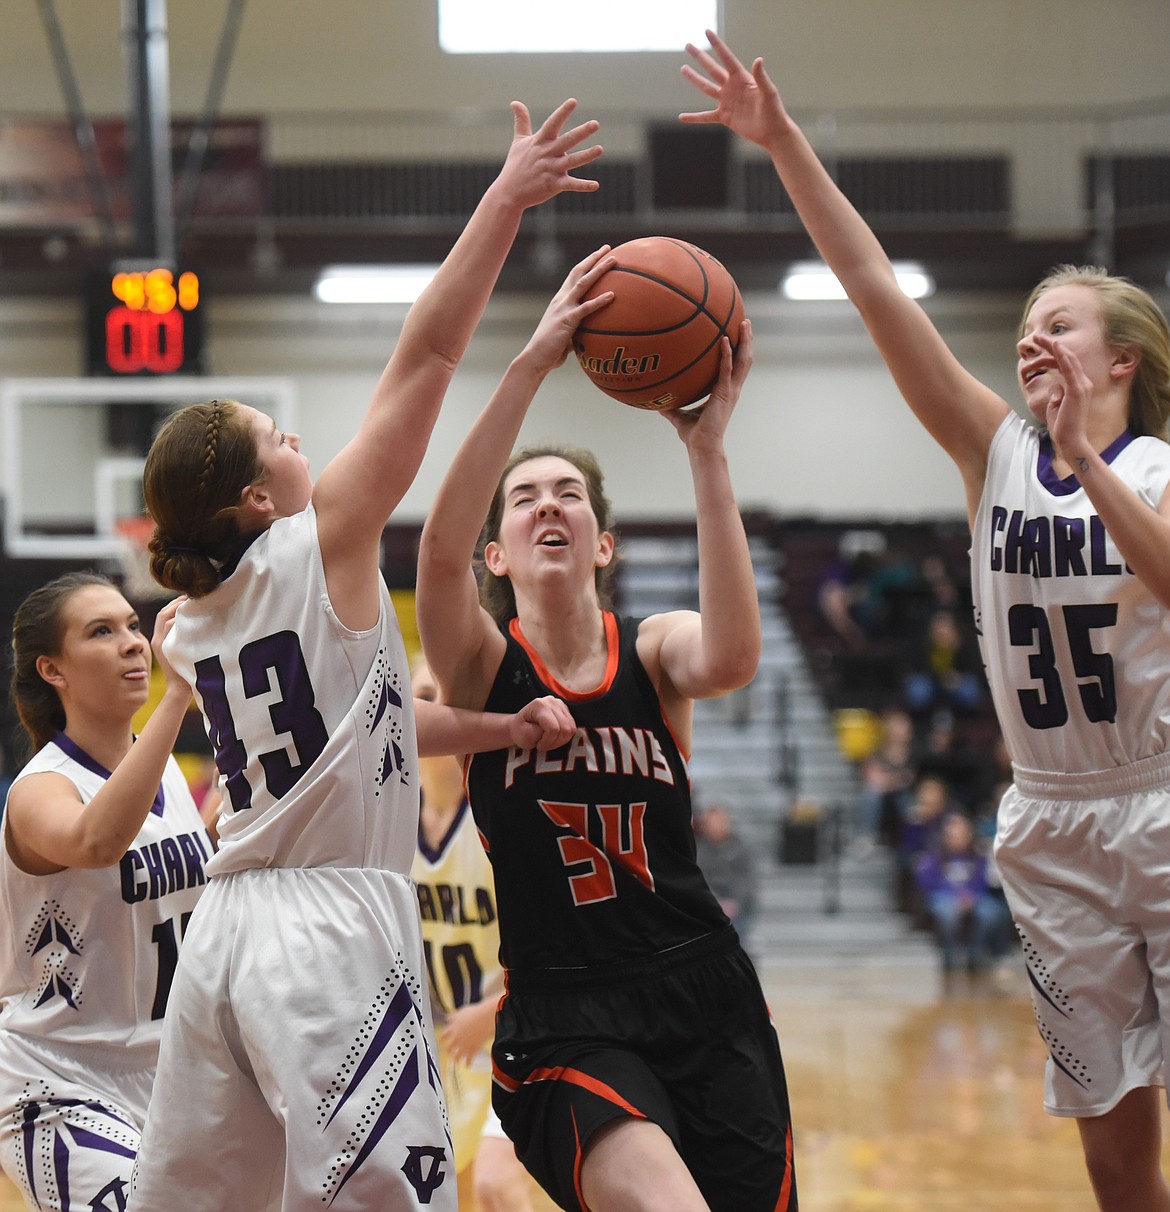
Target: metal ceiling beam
x=144, y=35
x=188, y=190
x=95, y=177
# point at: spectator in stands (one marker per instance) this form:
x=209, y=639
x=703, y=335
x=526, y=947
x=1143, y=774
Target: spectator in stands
x=946, y=754
x=947, y=671
x=942, y=590
x=919, y=830
x=887, y=776
x=969, y=920
x=727, y=862
x=844, y=598
x=854, y=595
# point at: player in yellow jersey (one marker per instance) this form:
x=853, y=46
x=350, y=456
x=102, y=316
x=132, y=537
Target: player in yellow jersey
x=461, y=941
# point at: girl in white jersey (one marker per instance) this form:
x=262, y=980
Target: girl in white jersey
x=1070, y=551
x=298, y=1040
x=101, y=866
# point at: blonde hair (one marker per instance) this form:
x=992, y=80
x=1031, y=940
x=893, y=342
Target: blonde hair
x=1131, y=320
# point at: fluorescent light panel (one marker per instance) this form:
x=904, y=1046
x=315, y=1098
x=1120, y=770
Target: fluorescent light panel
x=469, y=27
x=814, y=280
x=373, y=283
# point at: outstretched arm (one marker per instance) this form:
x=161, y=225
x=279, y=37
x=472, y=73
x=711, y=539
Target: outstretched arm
x=462, y=643
x=959, y=412
x=544, y=723
x=360, y=488
x=50, y=829
x=717, y=650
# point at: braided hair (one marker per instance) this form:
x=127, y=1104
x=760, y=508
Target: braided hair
x=203, y=458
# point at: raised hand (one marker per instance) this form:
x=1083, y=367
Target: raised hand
x=550, y=342
x=708, y=421
x=163, y=625
x=540, y=164
x=746, y=102
x=1067, y=411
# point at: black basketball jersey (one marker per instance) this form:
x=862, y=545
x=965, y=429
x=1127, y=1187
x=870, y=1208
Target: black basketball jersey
x=592, y=844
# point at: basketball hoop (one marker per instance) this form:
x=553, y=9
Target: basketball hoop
x=134, y=559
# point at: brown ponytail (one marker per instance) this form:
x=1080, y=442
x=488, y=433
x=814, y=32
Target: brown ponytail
x=201, y=461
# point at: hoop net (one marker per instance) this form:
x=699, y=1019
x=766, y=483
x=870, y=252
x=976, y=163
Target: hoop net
x=134, y=559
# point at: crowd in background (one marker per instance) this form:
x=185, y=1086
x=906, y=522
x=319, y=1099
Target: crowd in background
x=900, y=642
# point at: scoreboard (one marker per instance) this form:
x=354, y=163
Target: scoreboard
x=144, y=321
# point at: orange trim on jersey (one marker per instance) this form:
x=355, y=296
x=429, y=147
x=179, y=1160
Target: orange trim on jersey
x=562, y=691
x=578, y=1162
x=786, y=1185
x=575, y=1077
x=684, y=752
x=502, y=1079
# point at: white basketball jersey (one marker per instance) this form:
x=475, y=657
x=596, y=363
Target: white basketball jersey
x=87, y=954
x=312, y=724
x=1077, y=649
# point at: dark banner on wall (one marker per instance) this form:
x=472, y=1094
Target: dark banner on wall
x=43, y=182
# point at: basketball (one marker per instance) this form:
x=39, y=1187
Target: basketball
x=657, y=344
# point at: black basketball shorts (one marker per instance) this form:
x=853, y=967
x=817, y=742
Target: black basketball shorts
x=683, y=1039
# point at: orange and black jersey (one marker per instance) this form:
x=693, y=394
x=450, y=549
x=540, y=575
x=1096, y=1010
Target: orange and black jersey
x=592, y=844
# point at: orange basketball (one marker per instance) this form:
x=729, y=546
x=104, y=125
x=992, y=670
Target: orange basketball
x=657, y=344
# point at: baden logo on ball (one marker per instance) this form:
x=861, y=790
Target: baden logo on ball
x=657, y=345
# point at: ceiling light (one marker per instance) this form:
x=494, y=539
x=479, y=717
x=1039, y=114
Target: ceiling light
x=807, y=280
x=373, y=283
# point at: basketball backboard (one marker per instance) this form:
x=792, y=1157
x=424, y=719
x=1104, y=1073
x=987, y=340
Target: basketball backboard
x=72, y=451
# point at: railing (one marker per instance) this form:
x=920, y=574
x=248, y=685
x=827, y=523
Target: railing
x=1043, y=171
x=1090, y=174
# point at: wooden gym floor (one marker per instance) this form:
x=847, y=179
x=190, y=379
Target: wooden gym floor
x=909, y=1098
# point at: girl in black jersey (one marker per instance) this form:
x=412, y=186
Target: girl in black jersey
x=636, y=1066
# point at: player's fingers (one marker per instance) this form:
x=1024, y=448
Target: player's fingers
x=761, y=77
x=570, y=138
x=683, y=418
x=551, y=126
x=547, y=718
x=745, y=350
x=585, y=156
x=1067, y=361
x=588, y=306
x=700, y=117
x=724, y=52
x=521, y=120
x=568, y=725
x=699, y=80
x=715, y=70
x=556, y=718
x=591, y=265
